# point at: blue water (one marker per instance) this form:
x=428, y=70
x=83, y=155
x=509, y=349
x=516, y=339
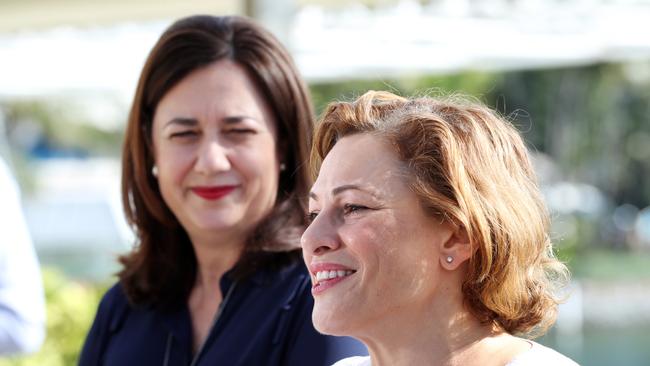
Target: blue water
x=604, y=346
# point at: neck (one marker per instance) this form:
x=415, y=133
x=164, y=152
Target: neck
x=214, y=258
x=441, y=333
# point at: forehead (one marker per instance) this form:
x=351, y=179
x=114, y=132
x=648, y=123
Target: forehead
x=362, y=159
x=222, y=84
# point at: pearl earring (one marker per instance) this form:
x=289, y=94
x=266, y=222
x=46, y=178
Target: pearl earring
x=283, y=167
x=449, y=259
x=154, y=171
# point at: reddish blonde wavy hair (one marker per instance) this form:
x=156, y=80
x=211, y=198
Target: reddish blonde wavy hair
x=470, y=166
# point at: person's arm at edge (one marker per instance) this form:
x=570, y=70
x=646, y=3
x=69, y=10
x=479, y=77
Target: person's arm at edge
x=22, y=301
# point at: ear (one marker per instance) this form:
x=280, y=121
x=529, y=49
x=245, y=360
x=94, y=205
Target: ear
x=456, y=250
x=282, y=151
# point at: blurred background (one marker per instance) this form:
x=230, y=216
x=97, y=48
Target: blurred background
x=573, y=75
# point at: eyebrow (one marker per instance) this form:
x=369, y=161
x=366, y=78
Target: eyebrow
x=343, y=188
x=190, y=122
x=183, y=121
x=237, y=119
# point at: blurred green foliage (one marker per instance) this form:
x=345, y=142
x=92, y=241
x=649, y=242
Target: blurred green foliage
x=472, y=83
x=71, y=307
x=611, y=265
x=590, y=120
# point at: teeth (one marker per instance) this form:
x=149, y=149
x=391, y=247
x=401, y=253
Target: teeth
x=328, y=275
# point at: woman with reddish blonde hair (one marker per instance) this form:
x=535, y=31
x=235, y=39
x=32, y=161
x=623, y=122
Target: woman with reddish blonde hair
x=429, y=237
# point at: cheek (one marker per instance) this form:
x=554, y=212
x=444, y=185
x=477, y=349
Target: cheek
x=174, y=164
x=260, y=161
x=417, y=261
x=366, y=242
x=395, y=251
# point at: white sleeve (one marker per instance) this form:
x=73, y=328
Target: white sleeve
x=22, y=303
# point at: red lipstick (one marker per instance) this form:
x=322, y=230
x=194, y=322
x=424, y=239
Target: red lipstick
x=213, y=193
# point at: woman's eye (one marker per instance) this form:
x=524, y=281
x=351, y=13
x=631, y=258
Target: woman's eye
x=349, y=208
x=311, y=217
x=182, y=134
x=241, y=131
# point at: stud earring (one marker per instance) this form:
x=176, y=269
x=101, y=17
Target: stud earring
x=283, y=167
x=449, y=259
x=154, y=171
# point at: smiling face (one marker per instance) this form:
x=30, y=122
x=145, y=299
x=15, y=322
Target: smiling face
x=371, y=249
x=215, y=139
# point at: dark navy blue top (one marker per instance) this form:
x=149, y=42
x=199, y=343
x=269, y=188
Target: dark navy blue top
x=265, y=320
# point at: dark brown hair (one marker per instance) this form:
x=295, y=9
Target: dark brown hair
x=470, y=167
x=161, y=269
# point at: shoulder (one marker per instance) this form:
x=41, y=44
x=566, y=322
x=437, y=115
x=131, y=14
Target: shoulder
x=112, y=307
x=110, y=312
x=354, y=361
x=541, y=355
x=114, y=297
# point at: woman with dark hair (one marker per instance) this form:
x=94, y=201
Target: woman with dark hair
x=436, y=251
x=213, y=183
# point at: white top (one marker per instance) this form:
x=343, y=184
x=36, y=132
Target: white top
x=22, y=303
x=537, y=355
x=354, y=361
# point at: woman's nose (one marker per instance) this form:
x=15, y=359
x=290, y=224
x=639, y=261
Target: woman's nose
x=320, y=237
x=212, y=158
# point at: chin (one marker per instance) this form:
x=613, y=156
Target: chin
x=328, y=328
x=330, y=322
x=216, y=223
x=213, y=227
